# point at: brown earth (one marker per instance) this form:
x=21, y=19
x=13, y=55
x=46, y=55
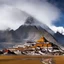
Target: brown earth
x=22, y=59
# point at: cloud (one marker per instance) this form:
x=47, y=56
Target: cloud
x=60, y=29
x=43, y=11
x=12, y=15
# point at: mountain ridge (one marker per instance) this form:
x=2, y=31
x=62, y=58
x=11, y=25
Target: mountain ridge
x=29, y=31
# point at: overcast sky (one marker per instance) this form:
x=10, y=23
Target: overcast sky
x=13, y=13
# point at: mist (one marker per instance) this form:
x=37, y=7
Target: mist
x=13, y=13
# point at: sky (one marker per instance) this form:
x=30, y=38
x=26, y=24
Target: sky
x=13, y=13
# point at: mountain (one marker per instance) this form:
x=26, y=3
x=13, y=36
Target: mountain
x=31, y=30
x=34, y=22
x=59, y=37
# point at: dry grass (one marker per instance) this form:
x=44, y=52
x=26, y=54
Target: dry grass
x=59, y=59
x=20, y=59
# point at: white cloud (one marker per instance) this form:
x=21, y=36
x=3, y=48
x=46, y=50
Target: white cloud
x=11, y=14
x=11, y=17
x=60, y=29
x=43, y=11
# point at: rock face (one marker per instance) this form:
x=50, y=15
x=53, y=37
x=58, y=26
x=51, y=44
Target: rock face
x=32, y=30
